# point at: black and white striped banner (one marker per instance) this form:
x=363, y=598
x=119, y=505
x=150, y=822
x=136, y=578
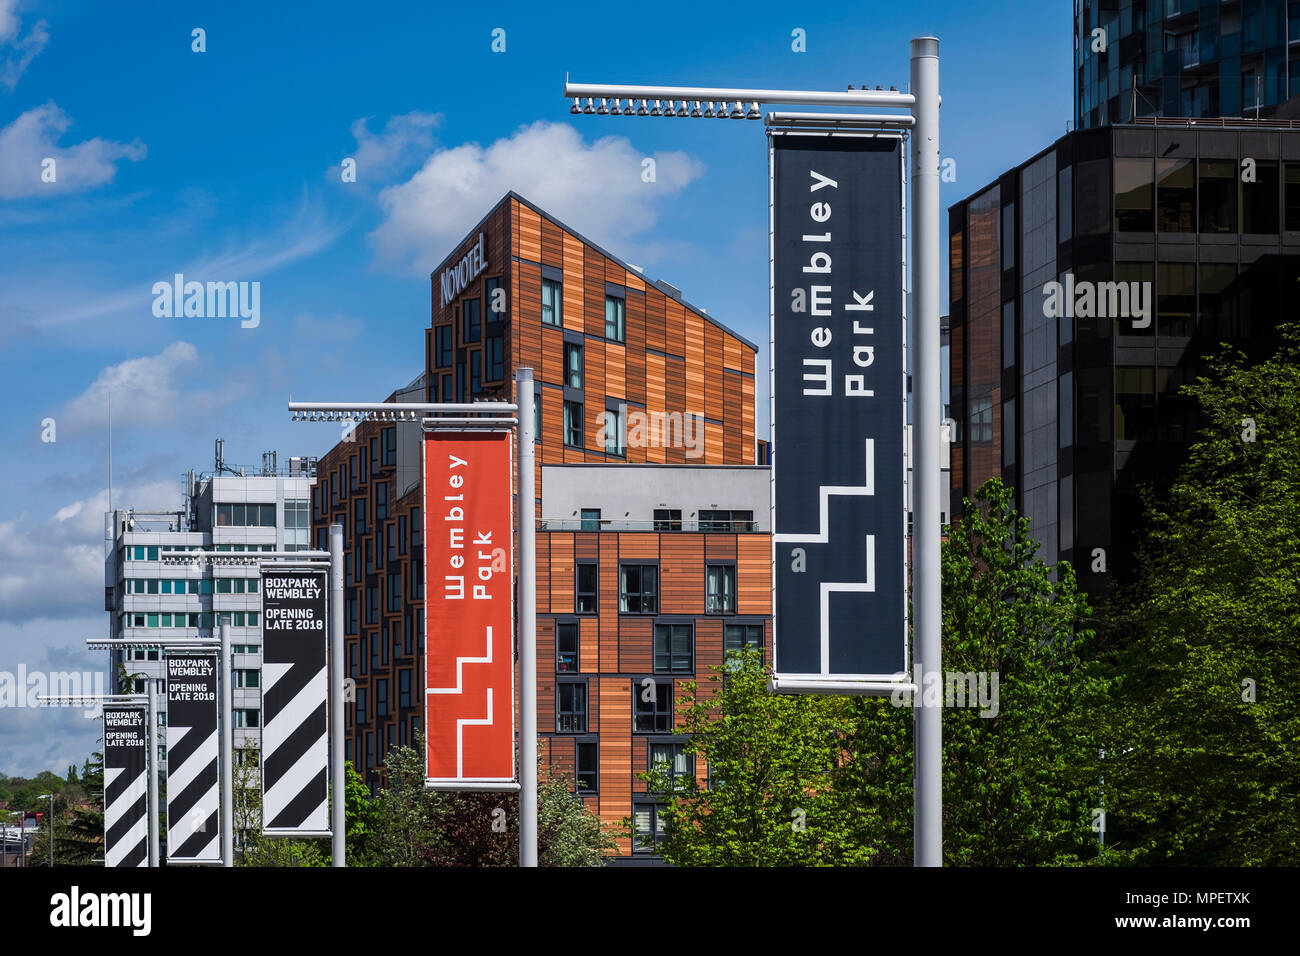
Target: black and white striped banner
x=126, y=789
x=193, y=787
x=295, y=728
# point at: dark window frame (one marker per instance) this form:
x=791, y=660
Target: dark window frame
x=641, y=592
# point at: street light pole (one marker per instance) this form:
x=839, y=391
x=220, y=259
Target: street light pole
x=338, y=825
x=927, y=836
x=227, y=753
x=151, y=688
x=51, y=796
x=922, y=101
x=527, y=604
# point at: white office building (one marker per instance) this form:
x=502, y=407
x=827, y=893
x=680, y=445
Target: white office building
x=227, y=510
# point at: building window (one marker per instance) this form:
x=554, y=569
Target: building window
x=496, y=304
x=572, y=365
x=649, y=824
x=720, y=589
x=668, y=519
x=1134, y=188
x=246, y=718
x=1292, y=197
x=573, y=424
x=672, y=761
x=234, y=516
x=652, y=706
x=1175, y=195
x=1008, y=334
x=726, y=520
x=404, y=678
x=615, y=318
x=448, y=388
x=1259, y=205
x=674, y=648
x=981, y=420
x=585, y=589
x=738, y=637
x=381, y=698
x=615, y=427
x=638, y=590
x=471, y=312
x=585, y=766
x=361, y=694
x=552, y=303
x=496, y=367
x=590, y=519
x=442, y=340
x=566, y=648
x=475, y=373
x=245, y=678
x=571, y=707
x=297, y=524
x=1217, y=195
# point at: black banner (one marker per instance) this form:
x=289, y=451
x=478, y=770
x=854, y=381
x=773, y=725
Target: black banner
x=193, y=745
x=126, y=789
x=838, y=406
x=295, y=728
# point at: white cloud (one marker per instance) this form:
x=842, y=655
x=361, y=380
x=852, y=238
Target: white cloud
x=595, y=187
x=33, y=137
x=149, y=391
x=17, y=52
x=300, y=236
x=55, y=568
x=404, y=137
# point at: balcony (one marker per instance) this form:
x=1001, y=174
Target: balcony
x=686, y=525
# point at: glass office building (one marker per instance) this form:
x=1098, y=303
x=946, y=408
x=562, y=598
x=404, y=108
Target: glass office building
x=1086, y=286
x=1183, y=58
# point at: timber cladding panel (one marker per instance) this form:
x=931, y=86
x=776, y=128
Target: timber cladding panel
x=616, y=751
x=681, y=573
x=673, y=360
x=616, y=651
x=634, y=644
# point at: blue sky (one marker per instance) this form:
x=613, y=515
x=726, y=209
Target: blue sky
x=224, y=165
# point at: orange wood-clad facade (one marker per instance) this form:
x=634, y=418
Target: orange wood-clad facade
x=671, y=363
x=616, y=650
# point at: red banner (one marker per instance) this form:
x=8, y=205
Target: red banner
x=469, y=607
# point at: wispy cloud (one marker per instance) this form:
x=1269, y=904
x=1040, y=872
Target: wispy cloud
x=303, y=235
x=147, y=391
x=32, y=138
x=54, y=568
x=598, y=188
x=18, y=51
x=404, y=140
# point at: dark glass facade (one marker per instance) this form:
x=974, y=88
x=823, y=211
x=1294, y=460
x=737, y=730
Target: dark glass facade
x=1184, y=58
x=1088, y=285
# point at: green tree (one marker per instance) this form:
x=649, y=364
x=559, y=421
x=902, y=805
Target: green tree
x=406, y=824
x=828, y=781
x=1205, y=749
x=772, y=760
x=253, y=848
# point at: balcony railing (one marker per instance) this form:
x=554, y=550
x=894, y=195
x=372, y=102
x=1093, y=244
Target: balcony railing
x=691, y=525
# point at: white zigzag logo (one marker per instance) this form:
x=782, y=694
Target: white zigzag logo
x=822, y=536
x=464, y=722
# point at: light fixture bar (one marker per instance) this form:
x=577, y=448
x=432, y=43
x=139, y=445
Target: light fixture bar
x=879, y=98
x=841, y=120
